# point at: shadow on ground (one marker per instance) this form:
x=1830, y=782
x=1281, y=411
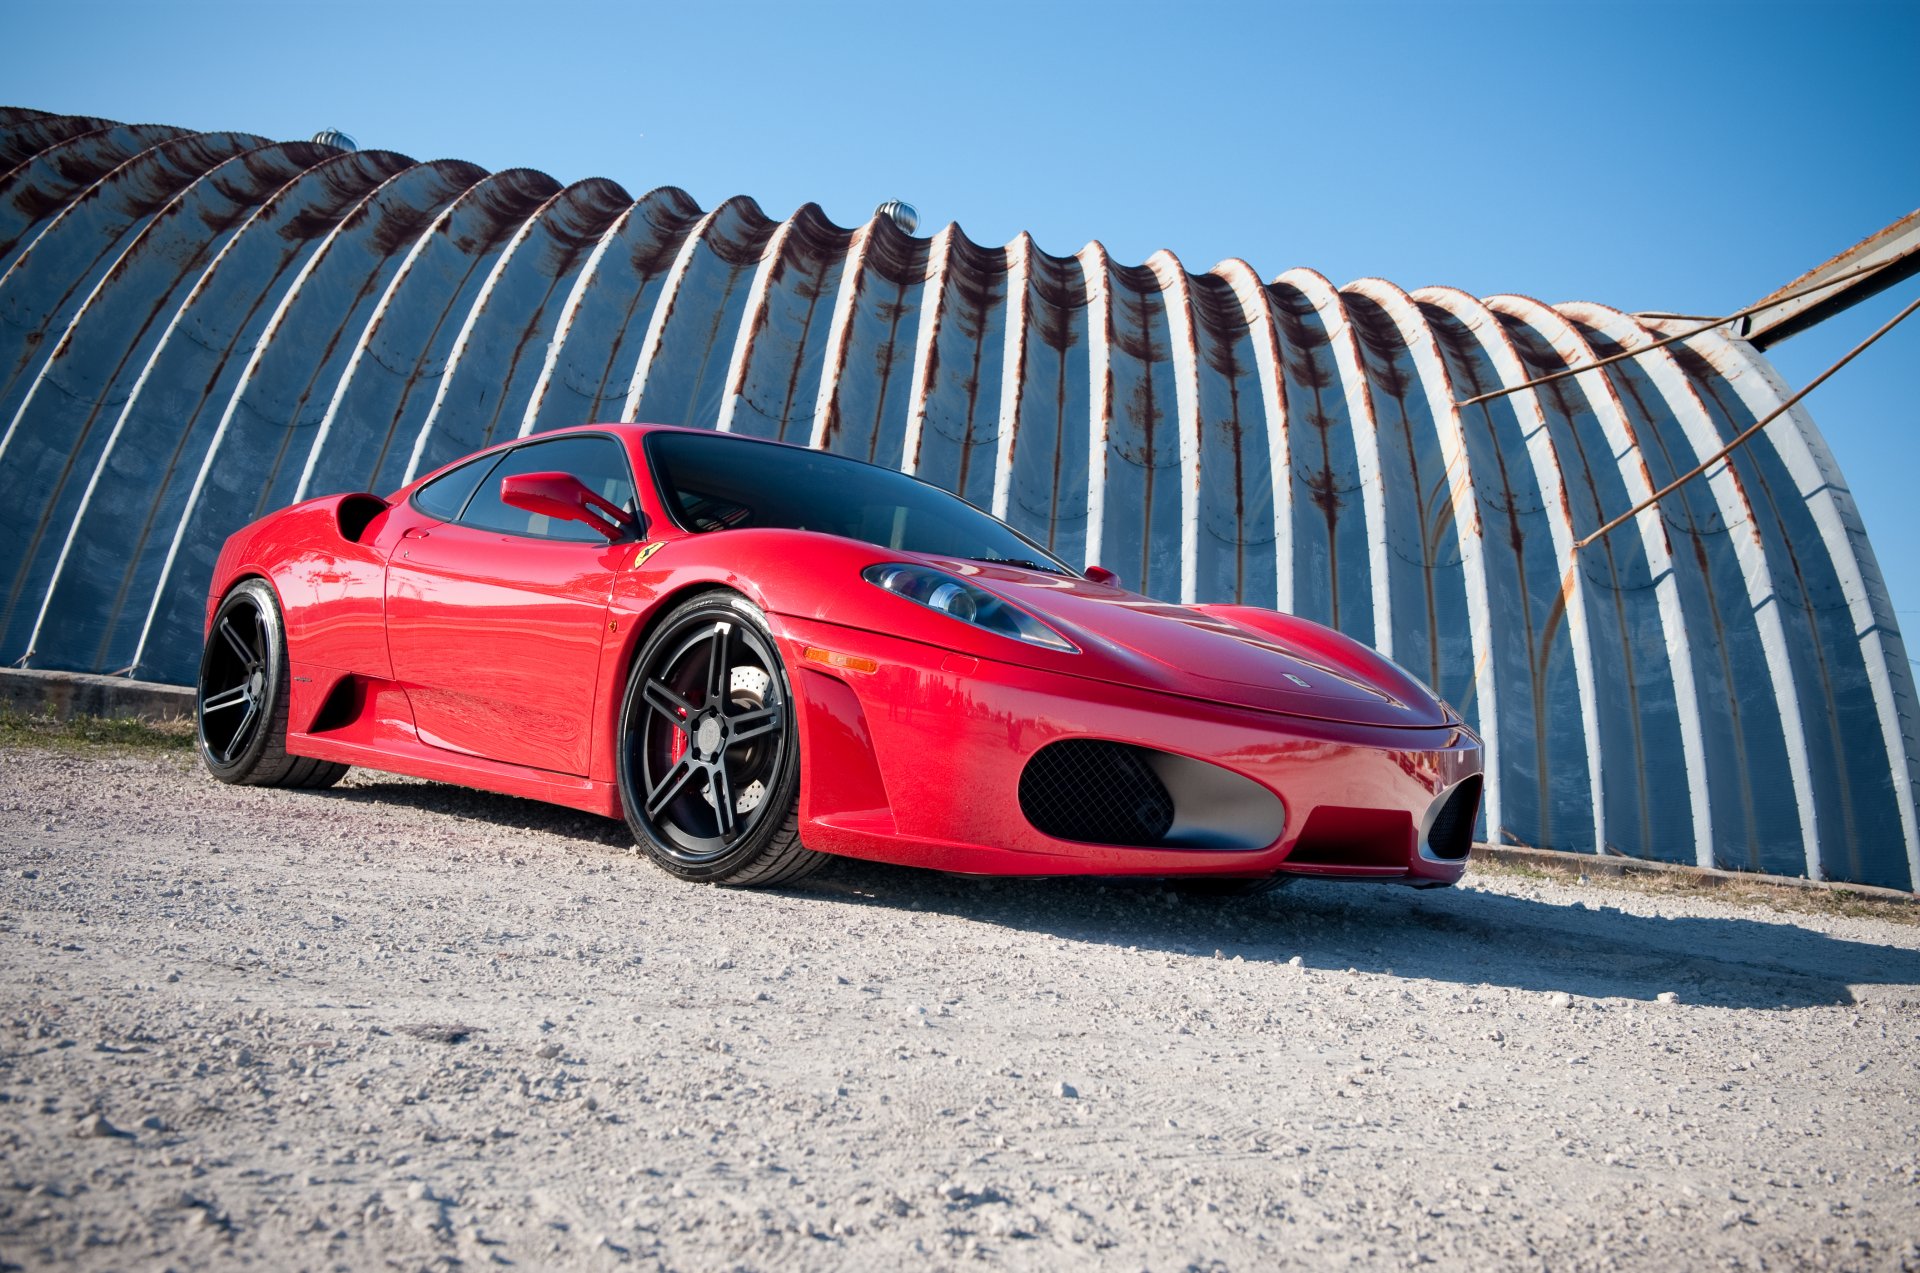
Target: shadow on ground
x=1465, y=937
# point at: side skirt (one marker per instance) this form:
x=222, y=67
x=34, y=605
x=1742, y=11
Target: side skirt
x=419, y=760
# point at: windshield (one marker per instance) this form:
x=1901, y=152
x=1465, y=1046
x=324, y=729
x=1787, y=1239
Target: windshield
x=714, y=482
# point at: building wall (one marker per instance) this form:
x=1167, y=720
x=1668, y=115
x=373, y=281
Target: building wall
x=196, y=328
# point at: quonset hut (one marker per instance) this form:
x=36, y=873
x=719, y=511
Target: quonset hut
x=196, y=328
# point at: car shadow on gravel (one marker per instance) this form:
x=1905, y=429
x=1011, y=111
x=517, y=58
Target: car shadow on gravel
x=481, y=806
x=1463, y=936
x=1466, y=937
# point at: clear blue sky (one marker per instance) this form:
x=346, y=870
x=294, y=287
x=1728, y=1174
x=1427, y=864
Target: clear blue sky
x=1687, y=155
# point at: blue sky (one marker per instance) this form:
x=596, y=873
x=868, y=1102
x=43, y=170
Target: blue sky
x=1689, y=156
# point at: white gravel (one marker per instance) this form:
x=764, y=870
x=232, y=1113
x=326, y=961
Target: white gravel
x=400, y=1024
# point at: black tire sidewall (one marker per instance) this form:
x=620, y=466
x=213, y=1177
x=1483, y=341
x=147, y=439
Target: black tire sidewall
x=786, y=788
x=259, y=593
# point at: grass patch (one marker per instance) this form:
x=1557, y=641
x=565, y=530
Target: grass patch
x=1775, y=897
x=94, y=733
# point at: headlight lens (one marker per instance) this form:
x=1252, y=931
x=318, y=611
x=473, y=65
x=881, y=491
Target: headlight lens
x=938, y=590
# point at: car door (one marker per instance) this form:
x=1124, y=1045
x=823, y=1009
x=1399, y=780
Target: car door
x=496, y=617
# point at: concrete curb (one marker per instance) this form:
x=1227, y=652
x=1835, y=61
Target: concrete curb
x=1597, y=864
x=62, y=695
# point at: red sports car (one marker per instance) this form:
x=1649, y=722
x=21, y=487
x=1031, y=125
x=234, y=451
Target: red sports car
x=760, y=655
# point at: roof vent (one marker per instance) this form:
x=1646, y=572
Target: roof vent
x=334, y=137
x=904, y=215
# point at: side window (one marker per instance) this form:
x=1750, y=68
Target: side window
x=447, y=494
x=599, y=462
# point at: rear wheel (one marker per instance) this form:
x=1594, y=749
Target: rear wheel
x=709, y=751
x=241, y=717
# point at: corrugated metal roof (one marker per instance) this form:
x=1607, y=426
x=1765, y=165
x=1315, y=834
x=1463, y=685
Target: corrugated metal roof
x=197, y=327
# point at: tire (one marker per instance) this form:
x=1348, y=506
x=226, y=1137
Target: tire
x=240, y=720
x=1225, y=886
x=709, y=750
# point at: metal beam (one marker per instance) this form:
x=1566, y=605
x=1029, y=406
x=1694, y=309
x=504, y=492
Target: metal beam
x=1875, y=263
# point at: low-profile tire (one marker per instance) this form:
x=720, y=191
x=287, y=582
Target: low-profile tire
x=241, y=713
x=1226, y=886
x=709, y=749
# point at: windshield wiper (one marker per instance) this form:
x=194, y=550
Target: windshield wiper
x=1022, y=562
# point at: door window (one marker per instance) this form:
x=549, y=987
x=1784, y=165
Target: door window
x=597, y=460
x=447, y=494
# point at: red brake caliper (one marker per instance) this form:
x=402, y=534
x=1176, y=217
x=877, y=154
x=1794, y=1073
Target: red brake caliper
x=677, y=747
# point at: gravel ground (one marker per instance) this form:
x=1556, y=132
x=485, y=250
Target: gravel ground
x=400, y=1024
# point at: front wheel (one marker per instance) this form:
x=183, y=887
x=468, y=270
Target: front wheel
x=709, y=751
x=241, y=715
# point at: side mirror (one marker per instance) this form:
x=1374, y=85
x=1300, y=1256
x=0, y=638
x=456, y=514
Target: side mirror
x=1100, y=574
x=564, y=496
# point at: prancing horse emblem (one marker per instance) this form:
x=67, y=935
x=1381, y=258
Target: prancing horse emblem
x=1297, y=680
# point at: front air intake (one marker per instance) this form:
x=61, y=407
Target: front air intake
x=1096, y=792
x=1100, y=792
x=1451, y=836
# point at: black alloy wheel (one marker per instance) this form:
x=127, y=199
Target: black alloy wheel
x=241, y=715
x=709, y=756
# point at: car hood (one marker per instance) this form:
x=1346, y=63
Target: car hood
x=1239, y=655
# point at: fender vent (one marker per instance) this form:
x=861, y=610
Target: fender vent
x=1451, y=837
x=356, y=513
x=1096, y=792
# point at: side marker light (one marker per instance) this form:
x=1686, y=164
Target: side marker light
x=844, y=662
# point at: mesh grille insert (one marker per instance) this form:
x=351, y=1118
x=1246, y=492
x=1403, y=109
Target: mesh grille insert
x=1096, y=792
x=1452, y=835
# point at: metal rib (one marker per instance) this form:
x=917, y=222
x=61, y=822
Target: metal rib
x=1868, y=638
x=1477, y=692
x=1634, y=691
x=1570, y=603
x=1729, y=622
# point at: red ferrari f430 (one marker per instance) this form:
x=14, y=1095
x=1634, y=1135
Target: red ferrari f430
x=761, y=655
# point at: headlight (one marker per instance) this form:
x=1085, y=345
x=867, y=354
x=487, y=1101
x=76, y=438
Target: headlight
x=938, y=590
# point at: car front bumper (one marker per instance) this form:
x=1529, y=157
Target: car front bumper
x=914, y=755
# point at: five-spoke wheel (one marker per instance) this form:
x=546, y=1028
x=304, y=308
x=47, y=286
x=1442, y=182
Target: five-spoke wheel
x=709, y=770
x=242, y=716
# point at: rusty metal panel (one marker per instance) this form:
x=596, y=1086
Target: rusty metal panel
x=281, y=394
x=50, y=448
x=1234, y=553
x=35, y=190
x=382, y=400
x=1644, y=707
x=1724, y=592
x=61, y=264
x=866, y=384
x=25, y=133
x=1332, y=581
x=102, y=545
x=953, y=425
x=591, y=356
x=1134, y=477
x=1046, y=403
x=165, y=426
x=1844, y=641
x=498, y=356
x=196, y=327
x=680, y=376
